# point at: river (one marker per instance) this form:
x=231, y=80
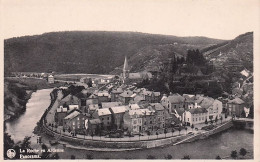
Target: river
x=25, y=124
x=220, y=144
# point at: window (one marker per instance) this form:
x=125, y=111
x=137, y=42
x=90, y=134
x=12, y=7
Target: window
x=188, y=119
x=199, y=118
x=107, y=118
x=175, y=106
x=196, y=119
x=192, y=119
x=107, y=122
x=144, y=123
x=151, y=122
x=135, y=121
x=102, y=118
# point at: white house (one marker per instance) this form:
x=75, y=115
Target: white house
x=195, y=116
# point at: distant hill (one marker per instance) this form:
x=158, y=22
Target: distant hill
x=92, y=52
x=239, y=49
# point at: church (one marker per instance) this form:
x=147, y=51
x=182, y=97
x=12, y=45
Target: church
x=128, y=77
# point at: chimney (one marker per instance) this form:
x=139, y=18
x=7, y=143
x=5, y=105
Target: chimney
x=196, y=105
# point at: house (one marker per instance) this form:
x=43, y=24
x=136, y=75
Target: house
x=195, y=116
x=133, y=121
x=115, y=93
x=189, y=101
x=148, y=120
x=172, y=102
x=60, y=114
x=75, y=121
x=137, y=99
x=118, y=115
x=70, y=100
x=214, y=107
x=235, y=107
x=103, y=96
x=50, y=79
x=105, y=117
x=126, y=97
x=92, y=99
x=94, y=126
x=159, y=113
x=152, y=97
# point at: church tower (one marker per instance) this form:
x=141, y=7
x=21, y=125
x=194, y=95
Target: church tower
x=125, y=70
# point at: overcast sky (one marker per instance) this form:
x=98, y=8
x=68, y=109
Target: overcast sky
x=223, y=19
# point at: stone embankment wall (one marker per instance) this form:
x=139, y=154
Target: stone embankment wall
x=112, y=144
x=216, y=130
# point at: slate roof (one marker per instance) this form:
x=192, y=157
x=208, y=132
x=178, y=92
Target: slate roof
x=236, y=101
x=189, y=97
x=176, y=98
x=157, y=106
x=110, y=104
x=102, y=112
x=198, y=110
x=72, y=115
x=207, y=102
x=119, y=109
x=135, y=112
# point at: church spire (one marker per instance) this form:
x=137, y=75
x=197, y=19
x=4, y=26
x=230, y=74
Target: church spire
x=125, y=70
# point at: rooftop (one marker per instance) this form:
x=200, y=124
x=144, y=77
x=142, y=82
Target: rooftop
x=119, y=109
x=110, y=104
x=198, y=110
x=104, y=111
x=72, y=115
x=157, y=106
x=236, y=101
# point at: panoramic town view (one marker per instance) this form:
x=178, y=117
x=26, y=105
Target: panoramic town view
x=128, y=95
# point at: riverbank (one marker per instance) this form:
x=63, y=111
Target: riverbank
x=16, y=96
x=17, y=92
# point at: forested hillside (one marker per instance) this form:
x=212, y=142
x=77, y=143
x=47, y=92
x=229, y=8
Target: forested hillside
x=91, y=52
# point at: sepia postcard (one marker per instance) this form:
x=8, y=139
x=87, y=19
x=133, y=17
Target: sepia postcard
x=130, y=80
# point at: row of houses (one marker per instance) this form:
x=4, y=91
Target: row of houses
x=139, y=110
